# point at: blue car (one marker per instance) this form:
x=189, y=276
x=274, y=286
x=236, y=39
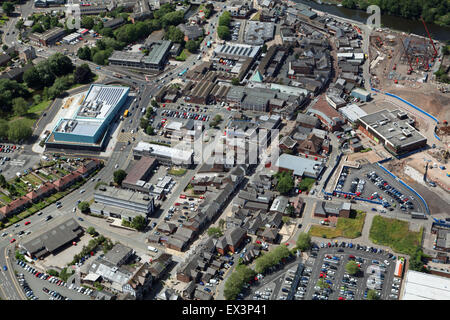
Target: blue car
x=5, y=268
x=323, y=270
x=207, y=289
x=351, y=245
x=329, y=282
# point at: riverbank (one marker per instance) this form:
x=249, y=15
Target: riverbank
x=387, y=21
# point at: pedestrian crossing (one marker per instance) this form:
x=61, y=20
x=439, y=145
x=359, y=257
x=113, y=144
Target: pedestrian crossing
x=17, y=163
x=126, y=136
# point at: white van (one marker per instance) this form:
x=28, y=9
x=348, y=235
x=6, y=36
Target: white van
x=152, y=249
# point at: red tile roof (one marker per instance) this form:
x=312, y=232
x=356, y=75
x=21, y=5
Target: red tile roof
x=14, y=205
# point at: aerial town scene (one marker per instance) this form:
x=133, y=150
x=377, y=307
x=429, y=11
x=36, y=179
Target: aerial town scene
x=224, y=150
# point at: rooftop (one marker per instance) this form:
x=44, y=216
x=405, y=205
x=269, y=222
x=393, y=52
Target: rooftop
x=299, y=165
x=422, y=286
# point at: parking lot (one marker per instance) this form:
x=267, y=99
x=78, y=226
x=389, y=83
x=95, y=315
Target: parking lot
x=329, y=261
x=371, y=182
x=39, y=285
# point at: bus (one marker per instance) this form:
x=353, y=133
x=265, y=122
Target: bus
x=182, y=72
x=125, y=114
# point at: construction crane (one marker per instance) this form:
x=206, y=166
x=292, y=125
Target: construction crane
x=407, y=56
x=431, y=40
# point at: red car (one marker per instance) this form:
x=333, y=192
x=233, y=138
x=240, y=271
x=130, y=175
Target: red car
x=182, y=196
x=177, y=203
x=27, y=223
x=12, y=240
x=351, y=257
x=258, y=242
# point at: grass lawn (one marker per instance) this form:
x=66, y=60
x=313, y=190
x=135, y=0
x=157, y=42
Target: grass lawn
x=39, y=108
x=306, y=184
x=177, y=172
x=183, y=55
x=5, y=198
x=346, y=227
x=395, y=234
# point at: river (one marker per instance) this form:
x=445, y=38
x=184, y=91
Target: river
x=392, y=22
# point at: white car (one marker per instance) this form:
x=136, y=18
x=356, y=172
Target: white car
x=386, y=262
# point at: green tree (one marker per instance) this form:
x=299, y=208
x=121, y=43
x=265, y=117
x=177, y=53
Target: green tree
x=84, y=53
x=150, y=130
x=84, y=206
x=372, y=295
x=143, y=123
x=174, y=34
x=285, y=183
x=91, y=231
x=53, y=273
x=192, y=46
x=225, y=19
x=139, y=223
x=149, y=112
x=37, y=99
x=235, y=81
x=119, y=176
x=223, y=32
x=20, y=106
x=154, y=103
x=304, y=241
x=19, y=24
x=8, y=8
x=264, y=48
x=234, y=284
x=83, y=74
x=352, y=267
x=2, y=181
x=215, y=232
x=285, y=219
x=87, y=22
x=18, y=131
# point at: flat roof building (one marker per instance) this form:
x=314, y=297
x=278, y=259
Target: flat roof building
x=257, y=33
x=139, y=173
x=237, y=51
x=91, y=121
x=302, y=167
x=423, y=286
x=155, y=60
x=352, y=112
x=163, y=154
x=125, y=199
x=394, y=129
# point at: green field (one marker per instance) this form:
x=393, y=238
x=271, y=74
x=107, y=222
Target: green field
x=39, y=108
x=346, y=227
x=395, y=234
x=177, y=172
x=306, y=184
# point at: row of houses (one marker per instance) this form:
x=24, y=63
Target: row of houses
x=49, y=188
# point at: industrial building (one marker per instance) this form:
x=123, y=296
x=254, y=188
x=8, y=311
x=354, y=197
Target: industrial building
x=88, y=128
x=47, y=38
x=138, y=175
x=155, y=60
x=163, y=154
x=352, y=112
x=394, y=129
x=361, y=94
x=236, y=51
x=53, y=240
x=301, y=167
x=122, y=204
x=423, y=286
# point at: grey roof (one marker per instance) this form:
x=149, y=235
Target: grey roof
x=307, y=119
x=117, y=254
x=396, y=131
x=231, y=237
x=300, y=166
x=54, y=238
x=110, y=272
x=158, y=52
